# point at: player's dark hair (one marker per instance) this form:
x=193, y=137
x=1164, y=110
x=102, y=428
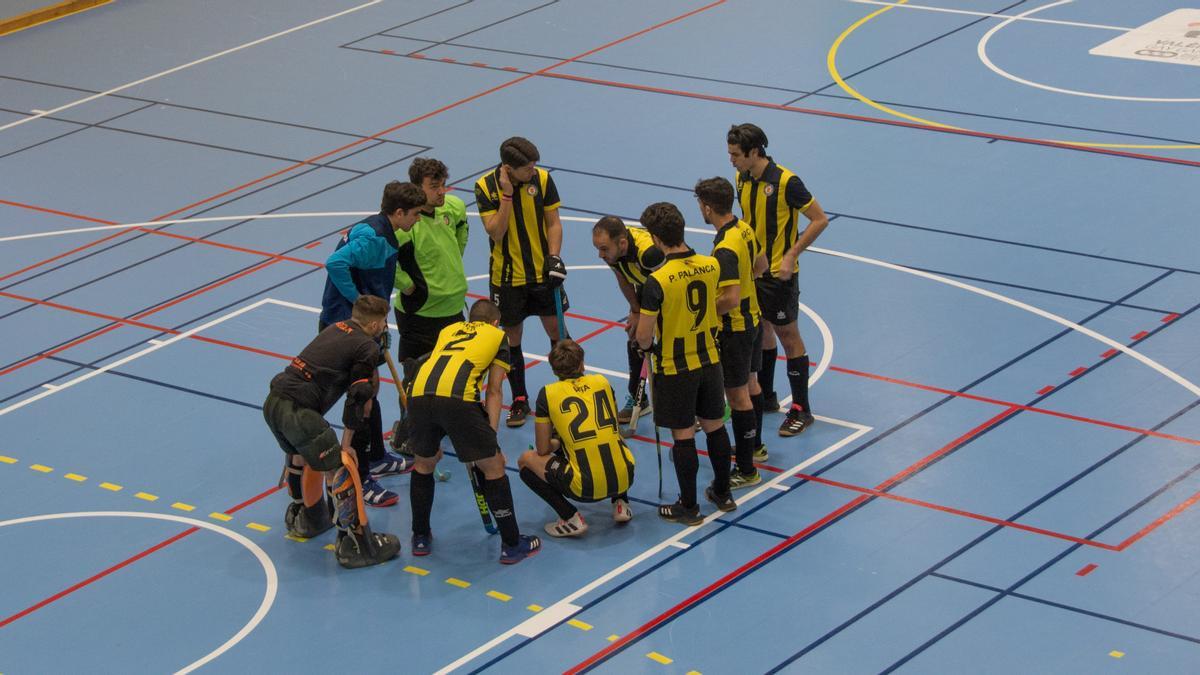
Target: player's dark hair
x=613, y=226
x=566, y=359
x=663, y=220
x=368, y=308
x=427, y=167
x=748, y=137
x=716, y=193
x=484, y=310
x=517, y=152
x=405, y=196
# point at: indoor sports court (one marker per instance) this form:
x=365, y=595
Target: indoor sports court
x=1001, y=318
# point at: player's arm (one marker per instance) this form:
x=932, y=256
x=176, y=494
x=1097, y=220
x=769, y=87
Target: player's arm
x=338, y=265
x=760, y=265
x=462, y=233
x=798, y=197
x=652, y=297
x=403, y=281
x=494, y=397
x=631, y=297
x=553, y=230
x=728, y=288
x=495, y=211
x=542, y=428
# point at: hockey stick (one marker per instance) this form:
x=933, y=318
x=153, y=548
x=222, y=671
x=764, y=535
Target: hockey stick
x=558, y=313
x=476, y=476
x=639, y=398
x=439, y=473
x=657, y=439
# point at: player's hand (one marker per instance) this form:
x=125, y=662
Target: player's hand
x=787, y=267
x=506, y=182
x=631, y=323
x=385, y=340
x=556, y=271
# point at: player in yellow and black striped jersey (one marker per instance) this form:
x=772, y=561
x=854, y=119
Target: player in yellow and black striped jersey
x=679, y=308
x=518, y=203
x=588, y=461
x=445, y=402
x=632, y=255
x=772, y=200
x=737, y=252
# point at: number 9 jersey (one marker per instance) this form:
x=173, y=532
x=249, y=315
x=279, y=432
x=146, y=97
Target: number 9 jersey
x=682, y=294
x=582, y=411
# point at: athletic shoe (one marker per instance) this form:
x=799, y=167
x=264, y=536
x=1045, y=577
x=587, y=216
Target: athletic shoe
x=770, y=403
x=391, y=465
x=739, y=480
x=760, y=454
x=678, y=513
x=528, y=545
x=517, y=413
x=422, y=544
x=625, y=414
x=621, y=512
x=375, y=494
x=571, y=527
x=362, y=550
x=723, y=502
x=300, y=521
x=797, y=421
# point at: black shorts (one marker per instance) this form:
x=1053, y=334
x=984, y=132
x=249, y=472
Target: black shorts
x=466, y=423
x=302, y=431
x=518, y=303
x=419, y=334
x=741, y=354
x=778, y=300
x=680, y=399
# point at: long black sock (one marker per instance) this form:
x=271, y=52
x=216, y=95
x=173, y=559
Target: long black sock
x=766, y=373
x=797, y=371
x=498, y=494
x=687, y=463
x=635, y=366
x=295, y=481
x=420, y=499
x=554, y=498
x=756, y=400
x=361, y=444
x=516, y=375
x=745, y=439
x=375, y=453
x=719, y=454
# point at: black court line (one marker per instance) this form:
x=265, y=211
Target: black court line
x=82, y=126
x=497, y=23
x=410, y=22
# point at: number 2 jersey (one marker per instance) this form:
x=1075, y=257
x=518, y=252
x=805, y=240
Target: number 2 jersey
x=463, y=354
x=582, y=411
x=682, y=296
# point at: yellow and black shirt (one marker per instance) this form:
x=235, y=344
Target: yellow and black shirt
x=464, y=353
x=582, y=411
x=519, y=258
x=640, y=259
x=735, y=249
x=772, y=204
x=682, y=294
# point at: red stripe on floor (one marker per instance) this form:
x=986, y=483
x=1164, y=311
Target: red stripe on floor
x=1086, y=570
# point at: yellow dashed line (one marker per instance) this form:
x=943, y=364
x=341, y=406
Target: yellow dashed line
x=579, y=624
x=295, y=538
x=613, y=638
x=416, y=570
x=502, y=597
x=259, y=527
x=1116, y=654
x=40, y=468
x=220, y=516
x=458, y=582
x=75, y=477
x=693, y=672
x=329, y=547
x=534, y=608
x=183, y=507
x=8, y=460
x=147, y=496
x=112, y=486
x=655, y=656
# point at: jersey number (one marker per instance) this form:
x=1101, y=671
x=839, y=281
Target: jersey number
x=453, y=345
x=604, y=415
x=697, y=302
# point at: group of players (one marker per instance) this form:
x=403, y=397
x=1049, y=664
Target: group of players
x=703, y=329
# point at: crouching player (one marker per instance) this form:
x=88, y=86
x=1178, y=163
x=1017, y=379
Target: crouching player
x=342, y=360
x=588, y=461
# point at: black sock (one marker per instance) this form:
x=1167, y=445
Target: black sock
x=554, y=498
x=498, y=494
x=635, y=367
x=766, y=374
x=719, y=454
x=295, y=481
x=375, y=453
x=687, y=463
x=745, y=438
x=756, y=400
x=420, y=499
x=797, y=372
x=624, y=496
x=516, y=375
x=361, y=444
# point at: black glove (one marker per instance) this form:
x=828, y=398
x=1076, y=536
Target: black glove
x=385, y=340
x=556, y=271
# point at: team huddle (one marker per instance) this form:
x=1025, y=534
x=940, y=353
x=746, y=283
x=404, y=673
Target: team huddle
x=702, y=330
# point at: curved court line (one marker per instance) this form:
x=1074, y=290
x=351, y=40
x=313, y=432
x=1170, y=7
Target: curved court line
x=981, y=49
x=261, y=555
x=831, y=63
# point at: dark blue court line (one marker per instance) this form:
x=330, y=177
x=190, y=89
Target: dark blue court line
x=497, y=23
x=79, y=365
x=81, y=126
x=410, y=22
x=724, y=521
x=1069, y=608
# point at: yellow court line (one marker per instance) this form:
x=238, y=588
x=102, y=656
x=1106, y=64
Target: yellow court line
x=259, y=527
x=329, y=547
x=416, y=570
x=580, y=624
x=183, y=507
x=613, y=638
x=112, y=487
x=41, y=468
x=1116, y=654
x=75, y=477
x=534, y=608
x=8, y=460
x=147, y=496
x=655, y=656
x=502, y=597
x=831, y=64
x=293, y=537
x=220, y=516
x=458, y=582
x=41, y=15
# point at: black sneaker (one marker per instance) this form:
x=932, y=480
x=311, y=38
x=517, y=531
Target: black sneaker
x=308, y=523
x=678, y=513
x=723, y=502
x=366, y=549
x=422, y=544
x=770, y=403
x=517, y=413
x=797, y=421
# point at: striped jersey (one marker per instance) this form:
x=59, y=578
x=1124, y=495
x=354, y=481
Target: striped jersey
x=642, y=257
x=582, y=411
x=519, y=258
x=772, y=204
x=682, y=296
x=735, y=249
x=463, y=354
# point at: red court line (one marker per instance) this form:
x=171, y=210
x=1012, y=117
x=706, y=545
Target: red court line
x=1086, y=570
x=56, y=212
x=1179, y=508
x=125, y=563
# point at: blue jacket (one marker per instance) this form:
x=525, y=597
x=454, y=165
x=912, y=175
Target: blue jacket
x=364, y=263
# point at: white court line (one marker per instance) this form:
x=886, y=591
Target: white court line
x=132, y=357
x=563, y=608
x=176, y=69
x=987, y=14
x=176, y=221
x=681, y=545
x=263, y=559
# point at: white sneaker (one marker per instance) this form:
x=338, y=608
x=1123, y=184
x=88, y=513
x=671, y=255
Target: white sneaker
x=567, y=528
x=621, y=512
